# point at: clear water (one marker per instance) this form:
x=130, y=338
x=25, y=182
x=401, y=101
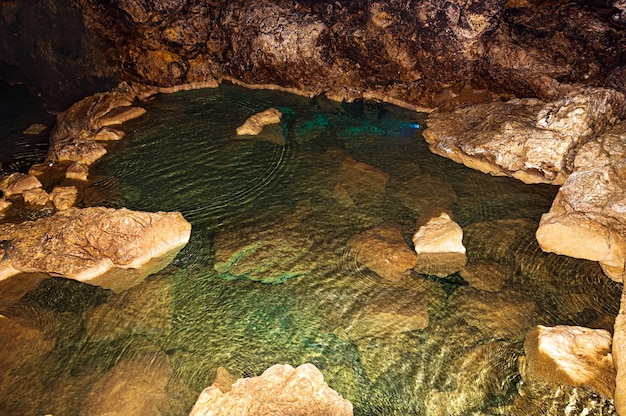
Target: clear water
x=272, y=201
x=18, y=110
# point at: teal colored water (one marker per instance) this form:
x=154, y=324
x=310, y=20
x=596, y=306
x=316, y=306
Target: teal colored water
x=269, y=275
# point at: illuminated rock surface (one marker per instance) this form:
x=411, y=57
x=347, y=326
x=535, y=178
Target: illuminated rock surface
x=438, y=242
x=92, y=244
x=570, y=355
x=281, y=390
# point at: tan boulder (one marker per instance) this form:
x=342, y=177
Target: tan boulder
x=36, y=196
x=383, y=250
x=78, y=171
x=111, y=248
x=254, y=125
x=35, y=128
x=4, y=204
x=77, y=128
x=588, y=216
x=64, y=197
x=570, y=355
x=438, y=242
x=16, y=183
x=280, y=391
x=108, y=134
x=527, y=139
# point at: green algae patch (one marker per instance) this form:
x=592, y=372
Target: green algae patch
x=264, y=252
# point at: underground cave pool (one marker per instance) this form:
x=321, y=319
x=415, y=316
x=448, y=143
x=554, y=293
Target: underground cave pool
x=290, y=290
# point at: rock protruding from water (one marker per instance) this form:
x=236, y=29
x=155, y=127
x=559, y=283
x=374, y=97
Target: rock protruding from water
x=570, y=355
x=255, y=124
x=527, y=139
x=619, y=356
x=280, y=391
x=438, y=242
x=383, y=250
x=80, y=130
x=115, y=249
x=17, y=183
x=588, y=216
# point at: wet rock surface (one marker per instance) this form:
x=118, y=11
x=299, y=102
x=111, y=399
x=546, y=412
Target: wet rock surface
x=280, y=390
x=90, y=244
x=570, y=355
x=529, y=139
x=588, y=216
x=383, y=250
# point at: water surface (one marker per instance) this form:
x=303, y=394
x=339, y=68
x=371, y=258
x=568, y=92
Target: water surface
x=268, y=276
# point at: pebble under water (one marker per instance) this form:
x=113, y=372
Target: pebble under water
x=269, y=277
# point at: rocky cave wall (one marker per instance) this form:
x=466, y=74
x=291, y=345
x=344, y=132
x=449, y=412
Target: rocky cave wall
x=416, y=52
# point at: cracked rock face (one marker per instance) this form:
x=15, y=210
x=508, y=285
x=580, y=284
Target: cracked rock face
x=91, y=245
x=527, y=139
x=416, y=53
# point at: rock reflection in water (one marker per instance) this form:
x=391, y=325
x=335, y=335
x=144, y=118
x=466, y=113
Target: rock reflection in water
x=268, y=276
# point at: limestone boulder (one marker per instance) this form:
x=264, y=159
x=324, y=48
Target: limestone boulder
x=570, y=355
x=64, y=197
x=77, y=129
x=111, y=248
x=281, y=391
x=438, y=242
x=527, y=139
x=255, y=124
x=16, y=183
x=383, y=250
x=588, y=216
x=619, y=355
x=36, y=196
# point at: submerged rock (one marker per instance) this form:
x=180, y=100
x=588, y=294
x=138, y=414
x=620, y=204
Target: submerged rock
x=358, y=183
x=383, y=250
x=280, y=391
x=268, y=252
x=111, y=248
x=390, y=312
x=134, y=386
x=588, y=216
x=569, y=355
x=438, y=242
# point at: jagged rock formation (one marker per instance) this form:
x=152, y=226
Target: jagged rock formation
x=417, y=53
x=280, y=390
